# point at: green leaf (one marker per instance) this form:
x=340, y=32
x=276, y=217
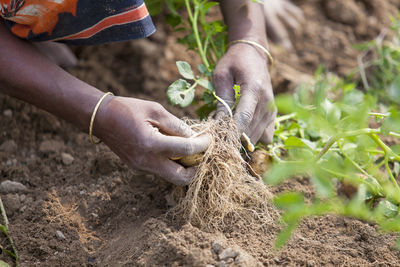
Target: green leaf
x=4, y=229
x=3, y=264
x=173, y=20
x=294, y=141
x=154, y=6
x=185, y=70
x=290, y=200
x=209, y=5
x=282, y=171
x=284, y=236
x=203, y=70
x=285, y=104
x=204, y=111
x=389, y=209
x=206, y=84
x=171, y=7
x=236, y=88
x=396, y=149
x=179, y=94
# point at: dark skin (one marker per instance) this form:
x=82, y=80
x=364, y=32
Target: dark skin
x=143, y=133
x=245, y=65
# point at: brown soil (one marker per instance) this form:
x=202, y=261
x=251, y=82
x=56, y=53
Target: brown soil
x=111, y=216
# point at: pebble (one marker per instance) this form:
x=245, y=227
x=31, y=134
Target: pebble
x=66, y=158
x=216, y=247
x=210, y=265
x=8, y=113
x=60, y=235
x=51, y=146
x=11, y=187
x=22, y=197
x=12, y=203
x=228, y=253
x=9, y=146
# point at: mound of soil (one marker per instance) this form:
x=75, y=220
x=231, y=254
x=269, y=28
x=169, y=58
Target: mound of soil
x=83, y=207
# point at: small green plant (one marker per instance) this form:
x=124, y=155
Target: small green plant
x=12, y=251
x=329, y=140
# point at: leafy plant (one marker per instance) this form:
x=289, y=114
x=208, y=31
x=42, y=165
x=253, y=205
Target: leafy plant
x=329, y=140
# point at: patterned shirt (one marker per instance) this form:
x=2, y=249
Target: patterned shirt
x=80, y=22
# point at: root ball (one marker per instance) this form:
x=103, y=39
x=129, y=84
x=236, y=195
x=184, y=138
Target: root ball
x=223, y=191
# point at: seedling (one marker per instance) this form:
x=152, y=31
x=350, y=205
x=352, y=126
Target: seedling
x=12, y=252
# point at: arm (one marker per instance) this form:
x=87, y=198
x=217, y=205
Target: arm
x=246, y=65
x=129, y=126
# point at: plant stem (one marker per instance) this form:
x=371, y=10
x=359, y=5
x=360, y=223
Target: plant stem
x=358, y=167
x=391, y=175
x=194, y=21
x=3, y=214
x=285, y=117
x=334, y=139
x=250, y=145
x=388, y=151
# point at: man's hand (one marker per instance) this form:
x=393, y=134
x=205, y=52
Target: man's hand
x=244, y=65
x=280, y=14
x=146, y=137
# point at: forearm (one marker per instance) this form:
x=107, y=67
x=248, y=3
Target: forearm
x=245, y=20
x=28, y=75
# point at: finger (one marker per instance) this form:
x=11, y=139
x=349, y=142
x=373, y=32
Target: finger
x=175, y=146
x=173, y=172
x=259, y=130
x=277, y=31
x=295, y=11
x=173, y=126
x=223, y=83
x=268, y=134
x=259, y=114
x=289, y=21
x=246, y=108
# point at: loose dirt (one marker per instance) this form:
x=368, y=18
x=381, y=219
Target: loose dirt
x=111, y=216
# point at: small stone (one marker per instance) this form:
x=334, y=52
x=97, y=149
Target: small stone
x=51, y=146
x=229, y=261
x=60, y=235
x=310, y=263
x=8, y=113
x=210, y=265
x=66, y=158
x=216, y=246
x=9, y=146
x=11, y=187
x=22, y=197
x=228, y=253
x=12, y=203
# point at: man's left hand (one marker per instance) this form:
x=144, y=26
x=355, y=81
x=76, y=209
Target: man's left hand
x=245, y=65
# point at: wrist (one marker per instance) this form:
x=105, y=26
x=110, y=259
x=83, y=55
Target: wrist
x=103, y=118
x=245, y=20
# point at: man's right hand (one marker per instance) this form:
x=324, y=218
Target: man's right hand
x=146, y=136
